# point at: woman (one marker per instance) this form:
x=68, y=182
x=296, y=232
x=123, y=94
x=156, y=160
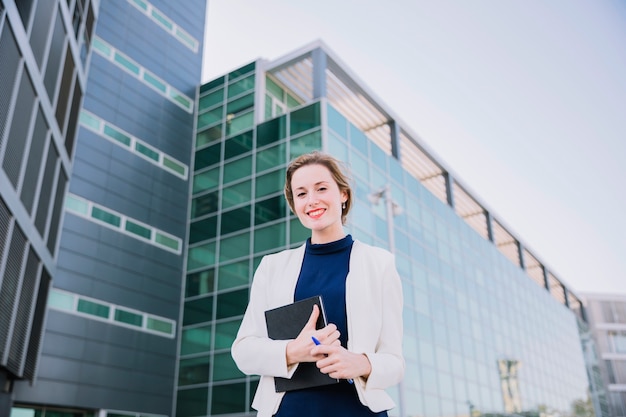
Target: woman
x=362, y=294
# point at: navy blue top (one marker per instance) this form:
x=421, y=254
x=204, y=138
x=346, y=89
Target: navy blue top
x=324, y=271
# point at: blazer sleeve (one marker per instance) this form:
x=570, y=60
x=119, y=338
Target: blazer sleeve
x=253, y=351
x=387, y=360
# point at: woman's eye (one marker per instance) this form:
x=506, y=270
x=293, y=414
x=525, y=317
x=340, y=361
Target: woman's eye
x=300, y=195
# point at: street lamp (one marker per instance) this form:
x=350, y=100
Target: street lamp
x=392, y=209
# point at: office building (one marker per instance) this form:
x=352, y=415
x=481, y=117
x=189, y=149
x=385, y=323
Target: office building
x=489, y=328
x=43, y=46
x=607, y=323
x=121, y=191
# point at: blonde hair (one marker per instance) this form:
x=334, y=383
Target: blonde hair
x=333, y=165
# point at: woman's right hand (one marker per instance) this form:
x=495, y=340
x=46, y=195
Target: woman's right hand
x=299, y=349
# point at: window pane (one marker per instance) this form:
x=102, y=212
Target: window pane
x=238, y=145
x=358, y=139
x=238, y=169
x=210, y=117
x=272, y=182
x=206, y=180
x=228, y=399
x=116, y=135
x=305, y=118
x=224, y=367
x=174, y=165
x=274, y=88
x=198, y=311
x=241, y=86
x=242, y=71
x=204, y=229
x=234, y=275
x=194, y=371
x=211, y=99
x=304, y=144
x=240, y=104
x=126, y=63
x=200, y=283
x=154, y=81
x=127, y=317
x=235, y=220
x=138, y=229
x=207, y=156
x=231, y=304
x=269, y=238
x=236, y=194
x=270, y=209
x=158, y=325
x=271, y=131
x=209, y=135
x=167, y=241
x=196, y=340
x=92, y=308
x=204, y=204
x=235, y=247
x=240, y=123
x=271, y=157
x=147, y=151
x=225, y=334
x=337, y=122
x=192, y=402
x=297, y=232
x=105, y=216
x=201, y=256
x=61, y=300
x=76, y=205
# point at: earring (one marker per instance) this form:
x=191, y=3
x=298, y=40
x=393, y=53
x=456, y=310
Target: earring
x=343, y=205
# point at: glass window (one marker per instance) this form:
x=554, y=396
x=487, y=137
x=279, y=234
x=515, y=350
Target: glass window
x=269, y=210
x=211, y=99
x=138, y=229
x=241, y=86
x=305, y=144
x=167, y=241
x=270, y=183
x=207, y=156
x=192, y=402
x=204, y=204
x=239, y=123
x=304, y=119
x=238, y=169
x=102, y=47
x=210, y=117
x=175, y=166
x=268, y=238
x=297, y=232
x=126, y=63
x=234, y=247
x=273, y=88
x=240, y=104
x=218, y=82
x=337, y=122
x=292, y=101
x=196, y=340
x=337, y=147
x=271, y=131
x=242, y=71
x=142, y=4
x=117, y=135
x=228, y=399
x=180, y=98
x=128, y=317
x=360, y=166
x=61, y=300
x=234, y=220
x=236, y=194
x=225, y=334
x=209, y=135
x=238, y=145
x=230, y=304
x=225, y=368
x=89, y=120
x=379, y=157
x=206, y=180
x=358, y=139
x=164, y=20
x=144, y=150
x=93, y=308
x=234, y=275
x=198, y=311
x=193, y=371
x=199, y=283
x=160, y=325
x=105, y=216
x=154, y=82
x=76, y=205
x=271, y=157
x=204, y=229
x=201, y=256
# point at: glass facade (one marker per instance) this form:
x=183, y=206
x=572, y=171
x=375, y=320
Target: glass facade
x=481, y=337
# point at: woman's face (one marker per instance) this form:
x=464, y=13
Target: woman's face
x=317, y=202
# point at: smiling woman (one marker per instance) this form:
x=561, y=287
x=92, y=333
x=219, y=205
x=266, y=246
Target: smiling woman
x=361, y=290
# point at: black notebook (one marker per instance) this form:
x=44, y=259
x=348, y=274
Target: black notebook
x=286, y=322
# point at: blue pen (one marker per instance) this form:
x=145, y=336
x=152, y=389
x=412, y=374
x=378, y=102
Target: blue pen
x=317, y=342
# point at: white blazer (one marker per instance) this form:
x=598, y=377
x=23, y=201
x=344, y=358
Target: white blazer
x=374, y=316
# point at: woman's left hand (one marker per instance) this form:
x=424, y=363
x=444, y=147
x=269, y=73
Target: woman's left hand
x=340, y=363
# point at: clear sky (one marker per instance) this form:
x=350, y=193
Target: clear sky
x=524, y=101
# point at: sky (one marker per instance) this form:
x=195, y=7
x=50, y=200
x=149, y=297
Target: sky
x=523, y=101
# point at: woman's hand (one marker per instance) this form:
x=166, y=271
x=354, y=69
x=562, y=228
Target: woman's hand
x=340, y=363
x=299, y=349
